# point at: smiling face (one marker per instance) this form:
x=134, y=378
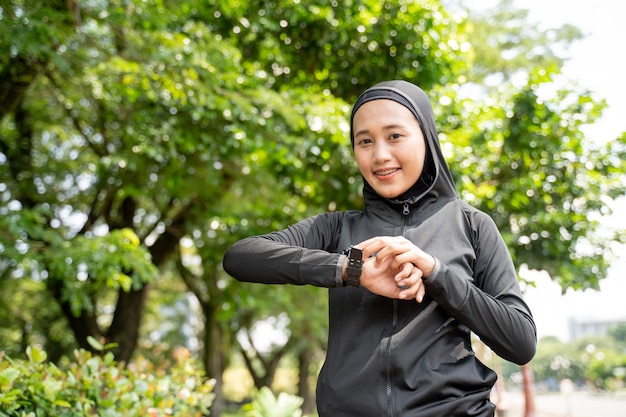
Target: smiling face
x=389, y=146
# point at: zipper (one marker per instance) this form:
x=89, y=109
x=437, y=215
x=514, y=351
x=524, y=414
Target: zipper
x=390, y=408
x=406, y=210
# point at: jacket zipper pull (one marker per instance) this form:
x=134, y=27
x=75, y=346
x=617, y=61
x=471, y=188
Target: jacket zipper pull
x=405, y=210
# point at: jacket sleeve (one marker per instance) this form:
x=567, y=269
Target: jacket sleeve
x=300, y=254
x=492, y=305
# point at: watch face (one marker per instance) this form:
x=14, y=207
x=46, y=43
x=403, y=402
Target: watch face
x=356, y=253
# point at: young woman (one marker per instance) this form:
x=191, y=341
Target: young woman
x=410, y=276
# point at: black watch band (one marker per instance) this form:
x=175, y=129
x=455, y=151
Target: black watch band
x=353, y=270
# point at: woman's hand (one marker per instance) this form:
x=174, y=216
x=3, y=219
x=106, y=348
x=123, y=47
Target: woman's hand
x=399, y=257
x=401, y=250
x=403, y=282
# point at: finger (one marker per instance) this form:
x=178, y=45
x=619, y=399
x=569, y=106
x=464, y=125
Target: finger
x=405, y=252
x=382, y=267
x=390, y=250
x=371, y=246
x=406, y=270
x=421, y=292
x=414, y=278
x=409, y=293
x=412, y=285
x=417, y=292
x=367, y=242
x=384, y=246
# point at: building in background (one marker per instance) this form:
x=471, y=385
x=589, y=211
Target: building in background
x=579, y=328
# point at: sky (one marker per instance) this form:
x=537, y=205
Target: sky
x=596, y=63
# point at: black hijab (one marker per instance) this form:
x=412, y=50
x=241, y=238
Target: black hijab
x=397, y=91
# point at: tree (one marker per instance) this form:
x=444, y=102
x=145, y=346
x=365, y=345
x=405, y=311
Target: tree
x=529, y=159
x=507, y=44
x=522, y=154
x=343, y=47
x=103, y=155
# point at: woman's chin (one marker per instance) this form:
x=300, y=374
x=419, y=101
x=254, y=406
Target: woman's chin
x=388, y=193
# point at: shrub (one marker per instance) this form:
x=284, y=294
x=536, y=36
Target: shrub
x=97, y=385
x=265, y=404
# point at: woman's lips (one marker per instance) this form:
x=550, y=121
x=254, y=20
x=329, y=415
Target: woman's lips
x=385, y=173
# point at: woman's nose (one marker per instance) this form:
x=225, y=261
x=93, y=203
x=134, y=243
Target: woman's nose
x=381, y=152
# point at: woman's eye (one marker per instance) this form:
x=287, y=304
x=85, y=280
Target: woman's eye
x=395, y=136
x=365, y=141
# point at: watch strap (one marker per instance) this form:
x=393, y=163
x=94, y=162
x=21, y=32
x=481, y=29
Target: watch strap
x=354, y=267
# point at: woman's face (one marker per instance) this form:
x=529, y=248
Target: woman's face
x=389, y=146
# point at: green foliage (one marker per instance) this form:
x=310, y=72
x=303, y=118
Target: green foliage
x=506, y=43
x=343, y=47
x=265, y=404
x=35, y=29
x=523, y=158
x=115, y=261
x=144, y=128
x=603, y=366
x=97, y=385
x=557, y=360
x=618, y=332
x=594, y=361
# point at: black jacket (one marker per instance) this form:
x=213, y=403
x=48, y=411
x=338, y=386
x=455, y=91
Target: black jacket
x=394, y=357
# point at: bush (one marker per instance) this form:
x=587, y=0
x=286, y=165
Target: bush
x=97, y=385
x=265, y=404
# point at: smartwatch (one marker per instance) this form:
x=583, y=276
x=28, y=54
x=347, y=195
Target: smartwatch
x=353, y=270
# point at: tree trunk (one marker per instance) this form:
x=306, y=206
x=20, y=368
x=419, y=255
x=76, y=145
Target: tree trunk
x=305, y=391
x=124, y=329
x=15, y=80
x=214, y=357
x=83, y=324
x=529, y=391
x=263, y=377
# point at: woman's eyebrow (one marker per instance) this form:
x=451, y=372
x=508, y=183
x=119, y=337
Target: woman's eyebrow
x=362, y=132
x=386, y=127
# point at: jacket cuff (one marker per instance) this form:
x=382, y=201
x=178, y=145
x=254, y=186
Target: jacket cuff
x=339, y=271
x=433, y=275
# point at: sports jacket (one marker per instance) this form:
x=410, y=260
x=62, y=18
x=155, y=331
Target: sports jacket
x=400, y=358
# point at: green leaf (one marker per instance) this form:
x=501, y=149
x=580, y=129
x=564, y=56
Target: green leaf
x=94, y=343
x=8, y=375
x=35, y=354
x=265, y=404
x=63, y=403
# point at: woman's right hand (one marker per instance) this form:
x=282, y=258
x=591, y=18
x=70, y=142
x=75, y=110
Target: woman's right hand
x=382, y=278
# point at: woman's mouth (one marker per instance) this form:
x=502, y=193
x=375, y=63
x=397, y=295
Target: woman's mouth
x=385, y=172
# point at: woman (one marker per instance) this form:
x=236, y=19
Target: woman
x=421, y=271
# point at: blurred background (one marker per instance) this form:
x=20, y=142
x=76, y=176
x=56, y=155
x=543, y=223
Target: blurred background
x=140, y=139
x=591, y=62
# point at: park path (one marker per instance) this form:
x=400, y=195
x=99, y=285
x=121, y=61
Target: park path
x=578, y=404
